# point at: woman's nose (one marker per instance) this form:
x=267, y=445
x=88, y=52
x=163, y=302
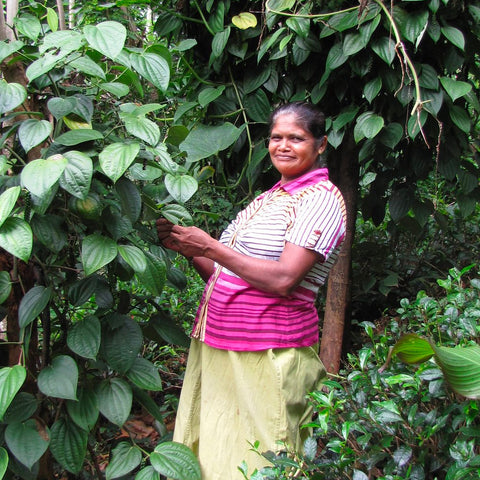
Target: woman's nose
x=284, y=143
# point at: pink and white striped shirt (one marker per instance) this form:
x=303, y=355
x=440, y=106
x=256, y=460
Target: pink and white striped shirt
x=308, y=211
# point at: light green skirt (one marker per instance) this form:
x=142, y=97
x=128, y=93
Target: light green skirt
x=231, y=400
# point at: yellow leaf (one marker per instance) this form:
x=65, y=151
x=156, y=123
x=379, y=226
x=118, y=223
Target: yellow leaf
x=244, y=20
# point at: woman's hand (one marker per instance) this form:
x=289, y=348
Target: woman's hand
x=189, y=241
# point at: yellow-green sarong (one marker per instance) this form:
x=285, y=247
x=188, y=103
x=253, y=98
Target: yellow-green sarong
x=232, y=399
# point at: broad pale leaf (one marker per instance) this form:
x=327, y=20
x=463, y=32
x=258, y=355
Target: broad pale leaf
x=28, y=25
x=144, y=375
x=84, y=411
x=115, y=88
x=26, y=442
x=175, y=460
x=244, y=20
x=125, y=457
x=33, y=132
x=32, y=304
x=8, y=48
x=115, y=400
x=461, y=367
x=60, y=378
x=107, y=38
x=152, y=67
x=16, y=238
x=11, y=96
x=86, y=65
x=40, y=175
x=75, y=137
x=154, y=276
x=60, y=107
x=7, y=201
x=209, y=94
x=205, y=141
x=455, y=88
x=133, y=256
x=77, y=176
x=68, y=445
x=142, y=128
x=11, y=379
x=117, y=157
x=97, y=251
x=84, y=337
x=52, y=19
x=181, y=187
x=177, y=214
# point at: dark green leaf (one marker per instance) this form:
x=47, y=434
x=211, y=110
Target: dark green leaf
x=84, y=411
x=23, y=406
x=11, y=379
x=84, y=337
x=60, y=378
x=32, y=304
x=115, y=400
x=144, y=375
x=175, y=460
x=125, y=457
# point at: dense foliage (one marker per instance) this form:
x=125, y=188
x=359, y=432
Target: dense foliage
x=110, y=123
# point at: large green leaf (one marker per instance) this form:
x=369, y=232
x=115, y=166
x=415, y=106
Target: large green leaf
x=145, y=375
x=175, y=460
x=60, y=107
x=400, y=203
x=84, y=337
x=152, y=67
x=60, y=378
x=460, y=118
x=16, y=238
x=411, y=348
x=29, y=25
x=205, y=141
x=461, y=367
x=115, y=400
x=384, y=47
x=134, y=257
x=5, y=286
x=7, y=201
x=97, y=251
x=32, y=304
x=23, y=406
x=258, y=106
x=335, y=57
x=26, y=442
x=11, y=96
x=142, y=128
x=4, y=462
x=32, y=132
x=68, y=445
x=454, y=36
x=455, y=88
x=75, y=137
x=77, y=176
x=117, y=157
x=40, y=175
x=130, y=198
x=8, y=48
x=107, y=38
x=11, y=379
x=147, y=473
x=84, y=411
x=181, y=187
x=154, y=276
x=125, y=457
x=49, y=230
x=121, y=345
x=86, y=65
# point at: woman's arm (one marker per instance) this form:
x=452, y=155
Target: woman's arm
x=280, y=276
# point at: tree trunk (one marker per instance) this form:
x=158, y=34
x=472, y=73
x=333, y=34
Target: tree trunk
x=343, y=168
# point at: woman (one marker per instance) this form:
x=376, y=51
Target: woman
x=253, y=356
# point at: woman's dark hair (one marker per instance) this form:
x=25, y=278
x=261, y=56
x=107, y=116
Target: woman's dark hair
x=308, y=116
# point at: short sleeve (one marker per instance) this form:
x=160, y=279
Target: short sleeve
x=319, y=219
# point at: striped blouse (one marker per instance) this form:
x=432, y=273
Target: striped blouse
x=308, y=211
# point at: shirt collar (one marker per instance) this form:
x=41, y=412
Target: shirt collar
x=307, y=179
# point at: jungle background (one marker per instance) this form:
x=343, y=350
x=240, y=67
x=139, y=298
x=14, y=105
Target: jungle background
x=115, y=113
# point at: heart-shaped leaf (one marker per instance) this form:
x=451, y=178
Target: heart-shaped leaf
x=97, y=251
x=77, y=176
x=84, y=412
x=32, y=304
x=60, y=107
x=153, y=67
x=106, y=37
x=115, y=400
x=7, y=201
x=60, y=378
x=68, y=445
x=84, y=337
x=175, y=460
x=33, y=132
x=40, y=175
x=16, y=237
x=28, y=441
x=144, y=375
x=125, y=457
x=117, y=157
x=11, y=96
x=11, y=379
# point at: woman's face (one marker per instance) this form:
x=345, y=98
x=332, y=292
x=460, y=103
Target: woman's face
x=293, y=150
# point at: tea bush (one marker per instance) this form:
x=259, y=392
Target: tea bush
x=396, y=422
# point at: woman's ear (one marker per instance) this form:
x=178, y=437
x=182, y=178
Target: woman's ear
x=322, y=145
